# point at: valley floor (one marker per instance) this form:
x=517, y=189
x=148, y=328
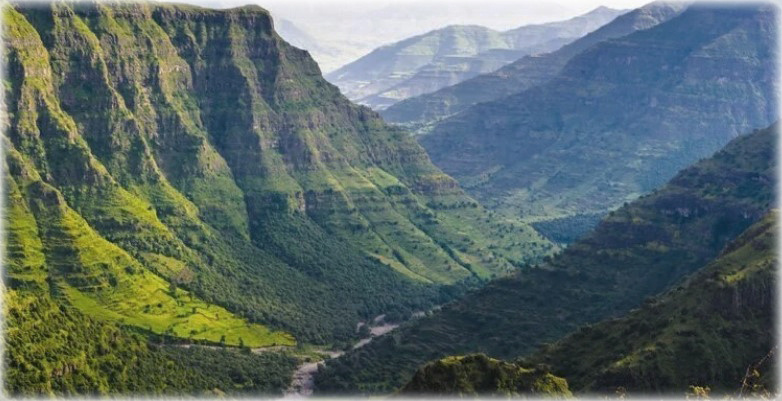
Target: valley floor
x=303, y=383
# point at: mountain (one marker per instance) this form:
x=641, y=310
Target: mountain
x=353, y=29
x=421, y=111
x=712, y=331
x=443, y=57
x=185, y=174
x=637, y=251
x=706, y=331
x=620, y=118
x=479, y=375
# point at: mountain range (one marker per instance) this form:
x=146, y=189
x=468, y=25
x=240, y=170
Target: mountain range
x=446, y=56
x=348, y=30
x=421, y=112
x=620, y=119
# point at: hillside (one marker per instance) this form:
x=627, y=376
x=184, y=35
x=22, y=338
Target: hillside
x=474, y=375
x=183, y=172
x=56, y=351
x=637, y=251
x=420, y=112
x=706, y=331
x=620, y=119
x=443, y=57
x=711, y=331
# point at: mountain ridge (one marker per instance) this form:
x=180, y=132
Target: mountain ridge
x=442, y=57
x=695, y=334
x=421, y=111
x=586, y=141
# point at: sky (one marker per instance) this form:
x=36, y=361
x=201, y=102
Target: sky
x=339, y=31
x=528, y=11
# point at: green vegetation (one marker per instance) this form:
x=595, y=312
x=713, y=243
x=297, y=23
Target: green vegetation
x=478, y=374
x=705, y=336
x=52, y=349
x=636, y=252
x=568, y=229
x=709, y=331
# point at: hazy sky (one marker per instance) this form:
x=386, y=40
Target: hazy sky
x=338, y=31
x=524, y=11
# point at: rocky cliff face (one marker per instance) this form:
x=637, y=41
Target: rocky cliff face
x=169, y=160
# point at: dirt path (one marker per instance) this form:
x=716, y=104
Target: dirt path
x=259, y=350
x=303, y=382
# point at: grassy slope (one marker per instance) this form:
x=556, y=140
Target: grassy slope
x=53, y=348
x=56, y=350
x=706, y=331
x=635, y=252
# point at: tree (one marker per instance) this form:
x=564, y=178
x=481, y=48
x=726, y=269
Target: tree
x=172, y=287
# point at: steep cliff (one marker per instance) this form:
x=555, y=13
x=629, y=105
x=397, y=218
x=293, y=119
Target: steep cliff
x=184, y=172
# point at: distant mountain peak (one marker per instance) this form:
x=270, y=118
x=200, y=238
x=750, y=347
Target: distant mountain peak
x=426, y=62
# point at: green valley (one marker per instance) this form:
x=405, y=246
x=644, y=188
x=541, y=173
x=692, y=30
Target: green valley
x=190, y=209
x=711, y=334
x=637, y=251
